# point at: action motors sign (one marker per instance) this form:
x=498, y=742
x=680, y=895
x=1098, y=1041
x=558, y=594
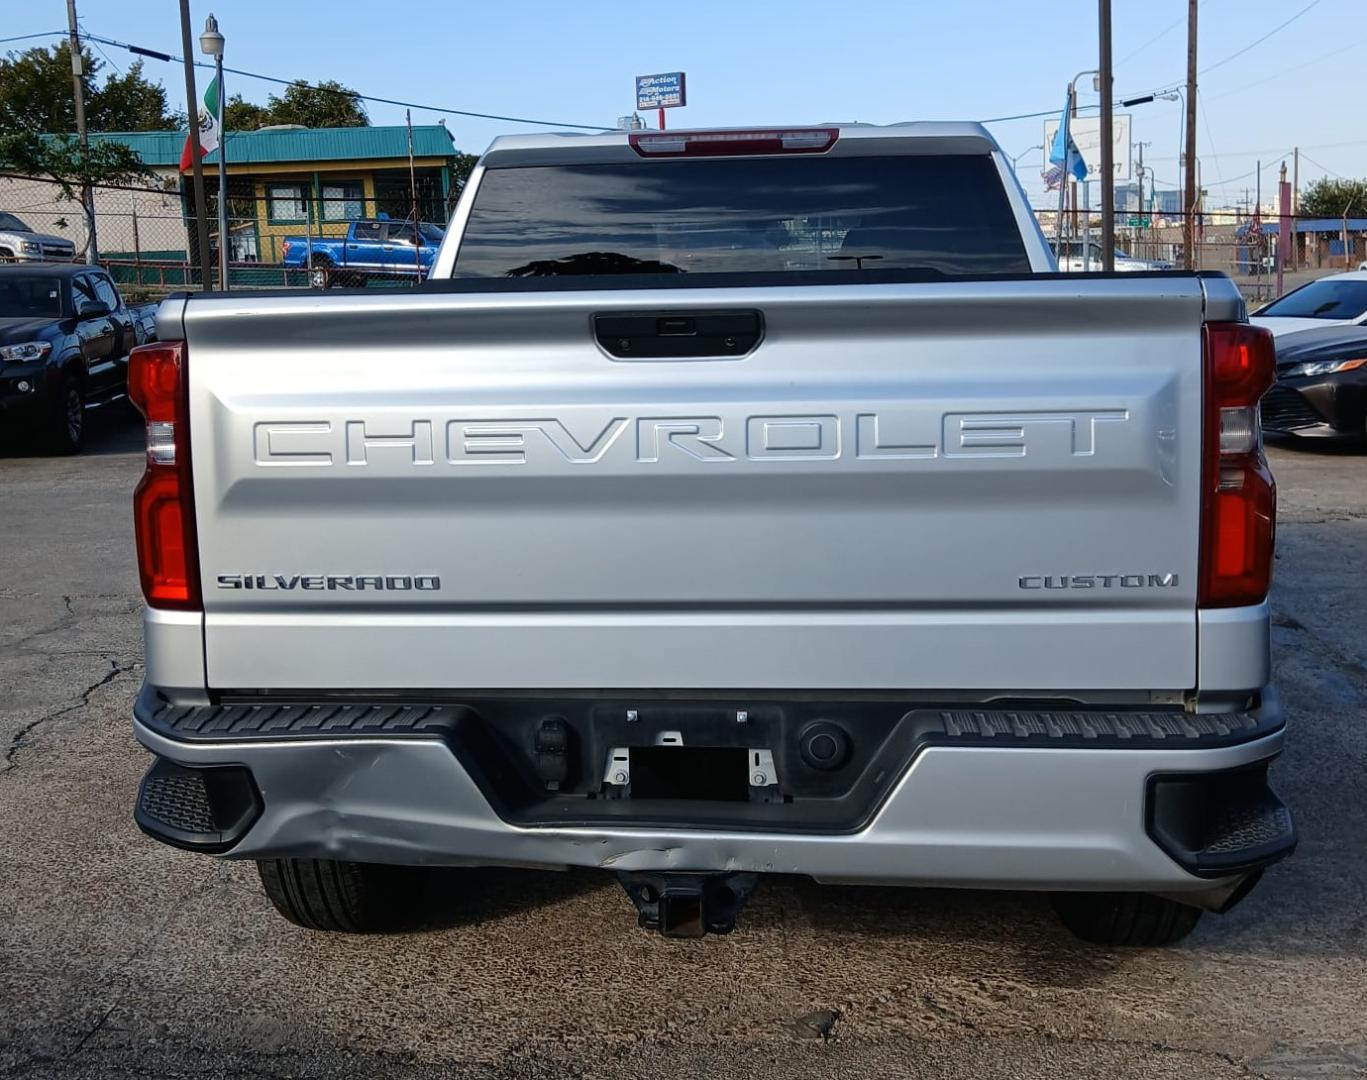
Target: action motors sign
x=665, y=91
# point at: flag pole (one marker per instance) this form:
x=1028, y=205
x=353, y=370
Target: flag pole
x=1063, y=176
x=223, y=240
x=413, y=196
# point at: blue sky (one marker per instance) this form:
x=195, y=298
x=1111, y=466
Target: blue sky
x=765, y=61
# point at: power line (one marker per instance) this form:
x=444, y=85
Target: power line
x=1272, y=163
x=30, y=37
x=1210, y=139
x=1161, y=34
x=346, y=93
x=1259, y=41
x=1318, y=61
x=108, y=58
x=1337, y=176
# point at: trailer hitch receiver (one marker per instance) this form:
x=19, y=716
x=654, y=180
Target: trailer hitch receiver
x=688, y=905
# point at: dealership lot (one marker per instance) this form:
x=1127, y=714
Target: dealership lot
x=121, y=957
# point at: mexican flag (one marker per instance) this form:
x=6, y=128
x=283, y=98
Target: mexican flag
x=208, y=128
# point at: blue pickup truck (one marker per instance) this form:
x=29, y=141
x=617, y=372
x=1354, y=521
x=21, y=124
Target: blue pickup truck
x=372, y=248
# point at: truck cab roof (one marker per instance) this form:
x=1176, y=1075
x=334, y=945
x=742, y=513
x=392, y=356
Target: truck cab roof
x=963, y=137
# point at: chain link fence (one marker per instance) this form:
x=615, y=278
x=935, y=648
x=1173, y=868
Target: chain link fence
x=1232, y=243
x=147, y=236
x=289, y=238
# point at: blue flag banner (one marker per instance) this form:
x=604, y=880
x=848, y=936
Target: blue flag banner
x=1064, y=151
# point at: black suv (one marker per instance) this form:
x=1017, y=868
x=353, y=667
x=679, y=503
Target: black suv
x=65, y=335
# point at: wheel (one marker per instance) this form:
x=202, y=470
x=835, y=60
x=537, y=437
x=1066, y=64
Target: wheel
x=6, y=255
x=346, y=897
x=1137, y=919
x=67, y=432
x=320, y=277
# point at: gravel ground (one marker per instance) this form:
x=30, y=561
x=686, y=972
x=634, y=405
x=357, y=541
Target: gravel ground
x=121, y=957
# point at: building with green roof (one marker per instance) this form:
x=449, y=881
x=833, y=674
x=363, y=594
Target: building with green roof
x=282, y=181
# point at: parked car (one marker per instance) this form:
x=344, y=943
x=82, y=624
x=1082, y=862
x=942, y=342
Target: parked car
x=1072, y=260
x=19, y=243
x=144, y=322
x=65, y=335
x=1335, y=300
x=901, y=559
x=373, y=248
x=1321, y=388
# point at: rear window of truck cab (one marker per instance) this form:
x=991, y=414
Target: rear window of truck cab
x=943, y=214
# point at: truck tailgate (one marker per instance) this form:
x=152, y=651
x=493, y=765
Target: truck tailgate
x=979, y=485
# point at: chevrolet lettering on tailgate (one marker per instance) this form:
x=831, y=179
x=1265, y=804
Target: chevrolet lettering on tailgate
x=803, y=437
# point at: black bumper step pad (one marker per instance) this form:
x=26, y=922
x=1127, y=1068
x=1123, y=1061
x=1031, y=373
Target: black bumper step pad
x=1172, y=729
x=235, y=723
x=201, y=809
x=1221, y=823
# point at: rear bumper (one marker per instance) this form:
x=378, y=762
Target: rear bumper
x=1003, y=812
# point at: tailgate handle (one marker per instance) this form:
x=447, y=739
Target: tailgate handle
x=678, y=335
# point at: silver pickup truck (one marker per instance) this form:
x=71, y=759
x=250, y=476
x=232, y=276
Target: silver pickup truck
x=730, y=503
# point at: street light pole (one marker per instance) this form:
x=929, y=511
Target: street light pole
x=1015, y=158
x=211, y=44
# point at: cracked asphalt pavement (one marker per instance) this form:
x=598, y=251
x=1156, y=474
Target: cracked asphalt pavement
x=123, y=958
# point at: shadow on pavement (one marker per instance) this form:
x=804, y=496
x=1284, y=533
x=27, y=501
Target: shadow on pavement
x=454, y=897
x=1327, y=447
x=111, y=429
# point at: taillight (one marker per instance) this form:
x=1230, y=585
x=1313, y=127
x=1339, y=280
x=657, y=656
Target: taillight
x=728, y=143
x=163, y=503
x=1239, y=498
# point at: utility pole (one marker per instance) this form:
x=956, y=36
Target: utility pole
x=1283, y=227
x=1257, y=247
x=197, y=168
x=1141, y=233
x=1189, y=194
x=1107, y=141
x=1295, y=209
x=92, y=252
x=1296, y=183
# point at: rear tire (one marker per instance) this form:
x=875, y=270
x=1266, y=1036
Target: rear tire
x=1126, y=919
x=320, y=277
x=343, y=897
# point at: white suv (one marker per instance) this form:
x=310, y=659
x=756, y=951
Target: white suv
x=19, y=243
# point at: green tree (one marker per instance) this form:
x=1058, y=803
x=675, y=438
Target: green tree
x=328, y=104
x=73, y=166
x=129, y=102
x=36, y=96
x=1331, y=198
x=460, y=173
x=239, y=115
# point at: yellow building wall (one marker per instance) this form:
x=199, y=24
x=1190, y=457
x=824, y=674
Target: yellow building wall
x=271, y=233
